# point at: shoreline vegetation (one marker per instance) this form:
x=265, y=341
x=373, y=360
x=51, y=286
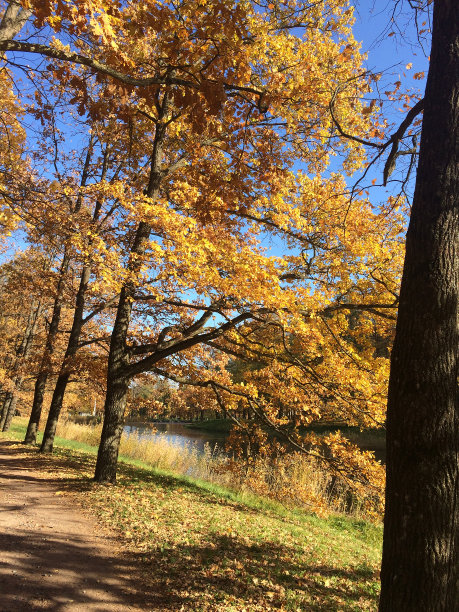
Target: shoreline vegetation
x=376, y=437
x=372, y=439
x=293, y=479
x=193, y=537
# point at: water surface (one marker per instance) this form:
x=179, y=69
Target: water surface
x=177, y=434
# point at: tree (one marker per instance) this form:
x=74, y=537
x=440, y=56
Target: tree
x=420, y=567
x=214, y=103
x=24, y=304
x=234, y=182
x=217, y=102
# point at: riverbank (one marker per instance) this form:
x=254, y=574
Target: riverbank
x=220, y=426
x=371, y=439
x=203, y=547
x=294, y=479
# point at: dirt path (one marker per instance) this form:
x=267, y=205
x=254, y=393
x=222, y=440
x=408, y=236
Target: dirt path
x=53, y=556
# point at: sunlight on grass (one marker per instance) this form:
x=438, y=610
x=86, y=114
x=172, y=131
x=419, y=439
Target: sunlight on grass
x=293, y=480
x=206, y=547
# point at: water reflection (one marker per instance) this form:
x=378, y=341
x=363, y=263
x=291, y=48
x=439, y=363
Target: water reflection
x=177, y=434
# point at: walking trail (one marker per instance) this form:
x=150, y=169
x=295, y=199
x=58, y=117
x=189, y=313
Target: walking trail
x=52, y=555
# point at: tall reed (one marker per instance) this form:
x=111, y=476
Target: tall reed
x=292, y=479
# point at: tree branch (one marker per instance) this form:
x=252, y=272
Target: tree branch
x=100, y=308
x=13, y=20
x=180, y=344
x=76, y=58
x=397, y=136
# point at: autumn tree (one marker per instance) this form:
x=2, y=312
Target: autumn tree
x=228, y=212
x=214, y=104
x=24, y=304
x=218, y=103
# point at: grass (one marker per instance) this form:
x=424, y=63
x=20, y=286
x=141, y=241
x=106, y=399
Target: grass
x=292, y=479
x=207, y=548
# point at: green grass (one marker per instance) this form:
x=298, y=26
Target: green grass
x=204, y=547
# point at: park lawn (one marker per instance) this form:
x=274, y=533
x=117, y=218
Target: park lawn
x=206, y=548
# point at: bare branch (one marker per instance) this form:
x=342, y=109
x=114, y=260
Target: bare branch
x=398, y=135
x=100, y=308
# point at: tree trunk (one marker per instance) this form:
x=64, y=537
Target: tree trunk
x=12, y=406
x=119, y=357
x=117, y=381
x=55, y=410
x=115, y=405
x=35, y=415
x=40, y=383
x=64, y=375
x=420, y=567
x=5, y=408
x=22, y=352
x=78, y=320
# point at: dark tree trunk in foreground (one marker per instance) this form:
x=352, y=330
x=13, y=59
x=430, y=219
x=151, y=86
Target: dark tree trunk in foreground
x=420, y=567
x=115, y=405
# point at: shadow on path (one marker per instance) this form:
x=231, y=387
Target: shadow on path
x=52, y=556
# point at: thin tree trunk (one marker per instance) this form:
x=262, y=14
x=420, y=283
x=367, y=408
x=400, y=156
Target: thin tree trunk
x=420, y=567
x=65, y=371
x=5, y=408
x=40, y=383
x=22, y=352
x=77, y=325
x=10, y=413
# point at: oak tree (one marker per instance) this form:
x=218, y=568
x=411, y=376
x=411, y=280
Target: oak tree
x=420, y=568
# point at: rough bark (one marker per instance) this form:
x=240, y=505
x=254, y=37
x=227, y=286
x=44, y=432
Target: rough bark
x=119, y=357
x=420, y=567
x=13, y=20
x=115, y=404
x=117, y=381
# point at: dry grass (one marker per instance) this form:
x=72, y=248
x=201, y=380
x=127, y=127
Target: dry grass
x=205, y=548
x=293, y=480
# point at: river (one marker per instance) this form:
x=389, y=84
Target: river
x=177, y=434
